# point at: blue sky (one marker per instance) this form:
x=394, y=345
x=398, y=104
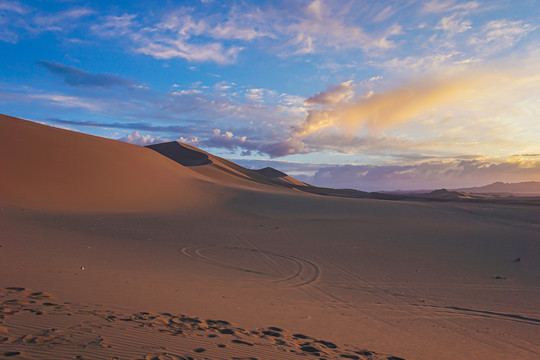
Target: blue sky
x=373, y=95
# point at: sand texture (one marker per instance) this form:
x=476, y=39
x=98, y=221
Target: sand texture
x=104, y=246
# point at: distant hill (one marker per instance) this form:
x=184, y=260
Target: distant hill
x=443, y=194
x=524, y=188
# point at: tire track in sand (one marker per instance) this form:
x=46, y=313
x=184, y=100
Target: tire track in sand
x=305, y=273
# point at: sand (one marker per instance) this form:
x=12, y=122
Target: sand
x=100, y=228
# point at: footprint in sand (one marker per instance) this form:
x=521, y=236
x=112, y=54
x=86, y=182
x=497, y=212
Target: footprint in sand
x=164, y=356
x=236, y=341
x=11, y=353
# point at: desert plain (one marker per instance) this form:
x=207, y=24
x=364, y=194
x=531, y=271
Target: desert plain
x=113, y=251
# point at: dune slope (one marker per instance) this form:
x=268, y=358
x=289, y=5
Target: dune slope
x=50, y=168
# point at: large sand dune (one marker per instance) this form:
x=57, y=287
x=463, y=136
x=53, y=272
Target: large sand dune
x=125, y=240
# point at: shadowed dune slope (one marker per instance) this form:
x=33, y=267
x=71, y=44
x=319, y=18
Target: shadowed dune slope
x=277, y=175
x=222, y=170
x=50, y=168
x=181, y=154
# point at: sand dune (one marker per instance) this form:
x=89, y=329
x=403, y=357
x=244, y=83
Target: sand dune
x=49, y=168
x=126, y=240
x=224, y=171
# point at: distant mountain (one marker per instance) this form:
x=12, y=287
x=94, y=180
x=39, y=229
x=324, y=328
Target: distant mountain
x=528, y=188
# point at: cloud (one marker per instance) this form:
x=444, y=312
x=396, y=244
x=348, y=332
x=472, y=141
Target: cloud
x=384, y=14
x=17, y=20
x=453, y=25
x=76, y=77
x=241, y=24
x=439, y=6
x=13, y=18
x=498, y=35
x=255, y=94
x=290, y=146
x=333, y=95
x=322, y=26
x=168, y=49
x=186, y=34
x=190, y=140
x=187, y=92
x=67, y=101
x=418, y=64
x=116, y=26
x=56, y=21
x=13, y=6
x=141, y=126
x=478, y=90
x=526, y=155
x=225, y=140
x=262, y=95
x=138, y=139
x=426, y=175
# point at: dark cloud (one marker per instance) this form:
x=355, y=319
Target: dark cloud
x=333, y=95
x=269, y=146
x=288, y=147
x=526, y=155
x=426, y=175
x=76, y=77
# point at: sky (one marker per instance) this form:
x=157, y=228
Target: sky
x=371, y=95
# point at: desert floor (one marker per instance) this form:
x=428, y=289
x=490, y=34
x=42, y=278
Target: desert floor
x=258, y=271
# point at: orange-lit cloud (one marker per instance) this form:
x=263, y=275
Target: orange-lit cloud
x=480, y=91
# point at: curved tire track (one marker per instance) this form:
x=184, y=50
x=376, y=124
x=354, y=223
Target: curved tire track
x=306, y=271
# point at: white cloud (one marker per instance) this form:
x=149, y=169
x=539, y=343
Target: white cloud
x=261, y=95
x=13, y=6
x=169, y=49
x=55, y=22
x=322, y=27
x=116, y=26
x=453, y=25
x=187, y=92
x=439, y=6
x=226, y=140
x=417, y=64
x=17, y=20
x=187, y=35
x=67, y=101
x=190, y=140
x=384, y=14
x=498, y=35
x=136, y=138
x=255, y=94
